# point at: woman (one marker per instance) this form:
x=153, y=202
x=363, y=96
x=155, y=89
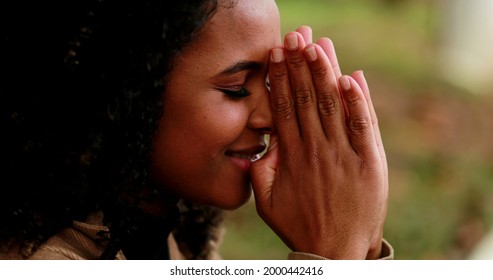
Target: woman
x=126, y=122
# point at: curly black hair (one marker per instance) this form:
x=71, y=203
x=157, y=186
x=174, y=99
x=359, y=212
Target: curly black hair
x=80, y=99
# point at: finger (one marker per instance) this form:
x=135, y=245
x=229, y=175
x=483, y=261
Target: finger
x=330, y=105
x=360, y=79
x=282, y=102
x=328, y=46
x=302, y=87
x=263, y=174
x=306, y=32
x=359, y=125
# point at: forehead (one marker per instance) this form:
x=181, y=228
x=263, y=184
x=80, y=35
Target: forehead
x=246, y=26
x=246, y=16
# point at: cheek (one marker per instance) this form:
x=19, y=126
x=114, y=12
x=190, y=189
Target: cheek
x=205, y=128
x=226, y=121
x=209, y=119
x=189, y=156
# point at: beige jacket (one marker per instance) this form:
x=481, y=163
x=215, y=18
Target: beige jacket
x=81, y=242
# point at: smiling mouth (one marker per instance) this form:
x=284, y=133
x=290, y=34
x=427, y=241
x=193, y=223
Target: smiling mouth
x=252, y=153
x=251, y=158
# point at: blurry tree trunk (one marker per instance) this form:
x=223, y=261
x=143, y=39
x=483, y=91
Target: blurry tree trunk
x=468, y=43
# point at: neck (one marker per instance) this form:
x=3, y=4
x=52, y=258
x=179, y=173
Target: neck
x=149, y=240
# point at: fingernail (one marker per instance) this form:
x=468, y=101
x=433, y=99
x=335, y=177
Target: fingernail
x=277, y=55
x=311, y=53
x=292, y=42
x=345, y=84
x=360, y=72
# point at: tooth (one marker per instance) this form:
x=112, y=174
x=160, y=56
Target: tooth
x=255, y=157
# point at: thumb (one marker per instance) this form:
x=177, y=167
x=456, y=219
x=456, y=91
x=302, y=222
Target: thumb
x=263, y=172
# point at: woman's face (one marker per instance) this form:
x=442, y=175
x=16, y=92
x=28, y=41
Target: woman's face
x=216, y=107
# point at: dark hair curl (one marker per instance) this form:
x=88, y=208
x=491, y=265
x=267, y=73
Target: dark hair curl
x=80, y=100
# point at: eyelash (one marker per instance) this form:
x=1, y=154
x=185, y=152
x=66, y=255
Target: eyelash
x=242, y=92
x=236, y=94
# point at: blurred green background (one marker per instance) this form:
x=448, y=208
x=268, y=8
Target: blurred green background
x=431, y=86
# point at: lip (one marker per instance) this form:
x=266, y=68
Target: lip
x=244, y=157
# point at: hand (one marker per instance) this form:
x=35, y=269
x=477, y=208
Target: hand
x=322, y=186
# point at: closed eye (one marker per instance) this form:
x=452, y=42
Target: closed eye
x=236, y=94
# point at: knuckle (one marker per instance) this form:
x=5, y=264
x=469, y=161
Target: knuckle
x=327, y=105
x=354, y=99
x=297, y=62
x=338, y=160
x=359, y=125
x=282, y=106
x=319, y=73
x=278, y=75
x=303, y=97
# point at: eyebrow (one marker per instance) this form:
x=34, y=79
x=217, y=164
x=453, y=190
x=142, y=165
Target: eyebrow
x=241, y=66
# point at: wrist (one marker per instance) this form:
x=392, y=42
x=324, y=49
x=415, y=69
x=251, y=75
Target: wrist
x=349, y=249
x=386, y=253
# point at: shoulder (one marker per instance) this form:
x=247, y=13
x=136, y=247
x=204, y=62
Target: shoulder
x=83, y=240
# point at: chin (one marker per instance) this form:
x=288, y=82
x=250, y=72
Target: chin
x=232, y=202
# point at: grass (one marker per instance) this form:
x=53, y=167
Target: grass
x=437, y=136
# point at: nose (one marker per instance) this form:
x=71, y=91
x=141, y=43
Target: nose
x=261, y=115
